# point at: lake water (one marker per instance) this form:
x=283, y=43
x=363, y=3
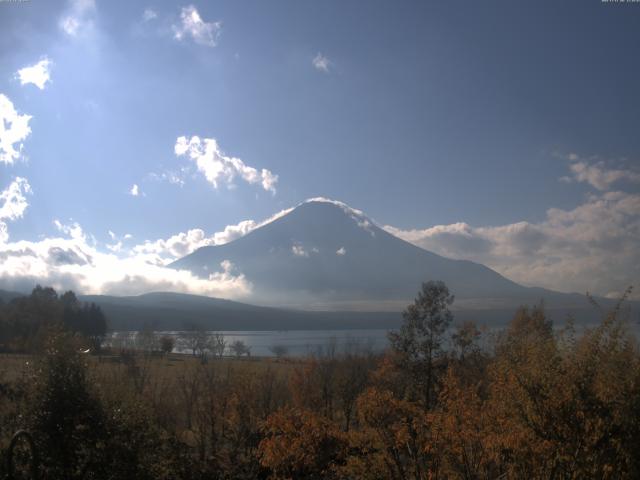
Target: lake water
x=295, y=342
x=305, y=342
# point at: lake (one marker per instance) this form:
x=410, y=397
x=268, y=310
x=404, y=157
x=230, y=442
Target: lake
x=296, y=342
x=304, y=342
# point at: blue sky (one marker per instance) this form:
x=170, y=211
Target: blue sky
x=503, y=132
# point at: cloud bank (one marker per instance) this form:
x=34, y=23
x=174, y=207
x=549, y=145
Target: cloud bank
x=593, y=247
x=74, y=262
x=165, y=251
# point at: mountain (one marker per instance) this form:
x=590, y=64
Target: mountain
x=326, y=255
x=325, y=265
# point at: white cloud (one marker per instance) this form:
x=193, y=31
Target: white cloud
x=14, y=129
x=593, y=247
x=149, y=14
x=118, y=242
x=600, y=177
x=73, y=230
x=220, y=168
x=174, y=177
x=598, y=173
x=13, y=204
x=232, y=232
x=165, y=251
x=72, y=263
x=78, y=20
x=38, y=74
x=298, y=250
x=134, y=190
x=358, y=216
x=70, y=25
x=192, y=25
x=341, y=251
x=268, y=180
x=115, y=247
x=321, y=63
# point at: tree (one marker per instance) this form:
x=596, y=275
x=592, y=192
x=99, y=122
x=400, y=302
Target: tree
x=81, y=433
x=530, y=323
x=568, y=407
x=67, y=418
x=301, y=444
x=279, y=350
x=239, y=348
x=465, y=338
x=166, y=344
x=419, y=342
x=95, y=325
x=466, y=427
x=194, y=339
x=26, y=319
x=146, y=339
x=352, y=376
x=217, y=344
x=395, y=440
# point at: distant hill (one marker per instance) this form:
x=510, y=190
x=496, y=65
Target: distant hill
x=6, y=296
x=176, y=311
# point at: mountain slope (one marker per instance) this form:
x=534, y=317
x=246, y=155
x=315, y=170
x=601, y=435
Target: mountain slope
x=326, y=254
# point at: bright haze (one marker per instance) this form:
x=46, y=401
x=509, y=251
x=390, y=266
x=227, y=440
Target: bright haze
x=167, y=146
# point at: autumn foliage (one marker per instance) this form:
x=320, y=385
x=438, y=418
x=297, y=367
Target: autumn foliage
x=446, y=401
x=537, y=403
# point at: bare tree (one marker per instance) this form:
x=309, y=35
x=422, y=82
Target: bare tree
x=239, y=348
x=121, y=341
x=279, y=350
x=147, y=340
x=216, y=344
x=195, y=340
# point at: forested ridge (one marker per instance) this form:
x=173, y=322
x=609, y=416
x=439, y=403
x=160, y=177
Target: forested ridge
x=25, y=320
x=446, y=401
